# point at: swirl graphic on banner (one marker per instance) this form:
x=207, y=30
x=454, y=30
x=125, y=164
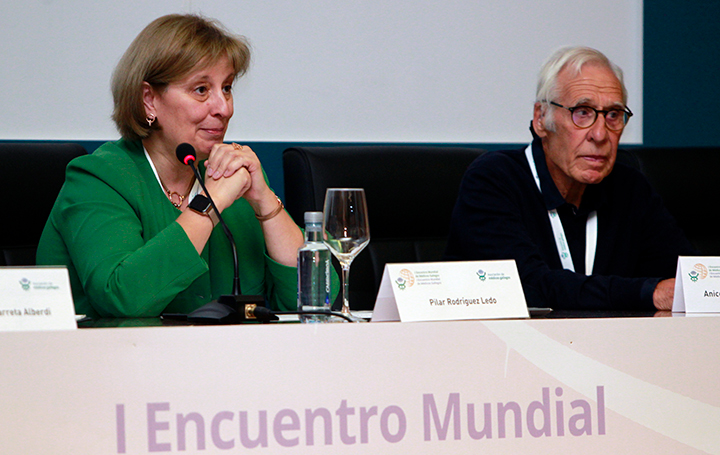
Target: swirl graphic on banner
x=640, y=401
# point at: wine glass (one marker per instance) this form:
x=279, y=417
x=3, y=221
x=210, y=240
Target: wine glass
x=346, y=230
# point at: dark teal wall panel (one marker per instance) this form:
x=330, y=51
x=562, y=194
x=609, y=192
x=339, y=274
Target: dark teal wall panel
x=681, y=73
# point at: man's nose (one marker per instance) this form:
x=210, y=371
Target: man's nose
x=599, y=130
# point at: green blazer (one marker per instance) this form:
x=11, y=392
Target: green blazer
x=114, y=228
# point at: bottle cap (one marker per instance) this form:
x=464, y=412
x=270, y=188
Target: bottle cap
x=313, y=217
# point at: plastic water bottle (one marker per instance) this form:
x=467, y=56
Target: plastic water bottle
x=314, y=267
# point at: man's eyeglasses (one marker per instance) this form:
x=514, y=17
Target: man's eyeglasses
x=585, y=116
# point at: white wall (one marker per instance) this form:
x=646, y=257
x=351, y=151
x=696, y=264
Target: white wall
x=324, y=70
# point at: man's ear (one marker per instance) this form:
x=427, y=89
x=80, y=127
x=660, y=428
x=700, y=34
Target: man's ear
x=539, y=112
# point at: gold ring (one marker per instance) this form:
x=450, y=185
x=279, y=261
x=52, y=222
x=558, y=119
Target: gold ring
x=237, y=146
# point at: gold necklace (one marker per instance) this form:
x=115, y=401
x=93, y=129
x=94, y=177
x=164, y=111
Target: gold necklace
x=174, y=195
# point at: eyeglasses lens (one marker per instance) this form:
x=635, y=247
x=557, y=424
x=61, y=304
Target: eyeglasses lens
x=585, y=117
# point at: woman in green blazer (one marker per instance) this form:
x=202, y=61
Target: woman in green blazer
x=122, y=223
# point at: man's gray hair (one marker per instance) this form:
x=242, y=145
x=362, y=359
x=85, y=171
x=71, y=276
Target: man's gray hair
x=573, y=58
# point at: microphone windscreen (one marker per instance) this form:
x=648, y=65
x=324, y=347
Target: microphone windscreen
x=185, y=153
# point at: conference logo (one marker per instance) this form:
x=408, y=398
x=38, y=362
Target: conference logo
x=34, y=286
x=699, y=272
x=25, y=284
x=481, y=275
x=405, y=279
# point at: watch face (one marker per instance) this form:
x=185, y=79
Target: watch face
x=200, y=204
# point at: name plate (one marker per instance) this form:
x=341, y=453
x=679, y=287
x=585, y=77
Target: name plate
x=697, y=285
x=442, y=291
x=36, y=298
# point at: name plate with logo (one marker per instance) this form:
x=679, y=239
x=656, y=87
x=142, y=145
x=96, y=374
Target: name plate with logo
x=441, y=291
x=36, y=298
x=697, y=285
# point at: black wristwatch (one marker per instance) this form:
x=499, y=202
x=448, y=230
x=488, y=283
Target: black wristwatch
x=202, y=205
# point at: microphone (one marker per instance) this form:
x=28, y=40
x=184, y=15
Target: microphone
x=186, y=154
x=233, y=308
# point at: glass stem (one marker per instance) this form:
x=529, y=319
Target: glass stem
x=346, y=288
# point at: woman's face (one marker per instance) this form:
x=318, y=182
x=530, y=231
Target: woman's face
x=195, y=109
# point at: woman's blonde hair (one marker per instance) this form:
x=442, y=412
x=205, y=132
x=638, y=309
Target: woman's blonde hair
x=167, y=50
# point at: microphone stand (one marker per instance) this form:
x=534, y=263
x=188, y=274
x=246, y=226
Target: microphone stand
x=235, y=307
x=263, y=314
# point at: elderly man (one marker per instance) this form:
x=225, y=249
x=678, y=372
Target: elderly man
x=585, y=232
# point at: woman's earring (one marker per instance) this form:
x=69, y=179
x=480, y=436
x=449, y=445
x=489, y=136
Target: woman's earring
x=150, y=119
